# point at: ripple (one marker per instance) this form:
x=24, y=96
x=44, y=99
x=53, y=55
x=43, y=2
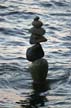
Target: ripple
x=16, y=13
x=13, y=75
x=67, y=38
x=16, y=43
x=60, y=14
x=59, y=3
x=2, y=19
x=54, y=28
x=3, y=7
x=46, y=4
x=11, y=31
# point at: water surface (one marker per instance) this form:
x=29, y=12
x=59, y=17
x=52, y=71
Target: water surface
x=16, y=17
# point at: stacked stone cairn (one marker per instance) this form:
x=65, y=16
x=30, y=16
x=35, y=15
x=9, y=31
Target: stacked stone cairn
x=35, y=54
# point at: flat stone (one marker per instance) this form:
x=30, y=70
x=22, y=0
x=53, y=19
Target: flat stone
x=35, y=52
x=39, y=70
x=37, y=31
x=37, y=39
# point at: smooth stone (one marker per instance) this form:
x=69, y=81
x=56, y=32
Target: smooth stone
x=40, y=86
x=37, y=39
x=39, y=70
x=37, y=31
x=35, y=52
x=37, y=24
x=36, y=18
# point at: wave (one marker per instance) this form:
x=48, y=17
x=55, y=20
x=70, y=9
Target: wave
x=60, y=3
x=12, y=75
x=11, y=31
x=60, y=14
x=3, y=7
x=46, y=4
x=16, y=13
x=53, y=3
x=66, y=38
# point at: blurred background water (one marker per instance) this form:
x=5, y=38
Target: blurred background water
x=16, y=17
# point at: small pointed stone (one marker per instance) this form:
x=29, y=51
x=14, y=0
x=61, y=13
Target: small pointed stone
x=37, y=39
x=37, y=31
x=35, y=52
x=36, y=18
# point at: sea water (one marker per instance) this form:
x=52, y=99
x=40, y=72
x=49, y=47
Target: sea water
x=16, y=17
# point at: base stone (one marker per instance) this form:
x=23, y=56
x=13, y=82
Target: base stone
x=39, y=70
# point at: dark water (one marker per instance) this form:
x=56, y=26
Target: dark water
x=15, y=20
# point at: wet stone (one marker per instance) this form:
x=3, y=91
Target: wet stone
x=37, y=39
x=37, y=24
x=36, y=18
x=37, y=31
x=35, y=52
x=39, y=70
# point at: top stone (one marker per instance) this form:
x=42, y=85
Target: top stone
x=36, y=23
x=36, y=18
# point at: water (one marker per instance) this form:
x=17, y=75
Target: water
x=15, y=21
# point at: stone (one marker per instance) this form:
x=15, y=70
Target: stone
x=36, y=18
x=37, y=39
x=37, y=31
x=41, y=86
x=39, y=70
x=35, y=52
x=37, y=24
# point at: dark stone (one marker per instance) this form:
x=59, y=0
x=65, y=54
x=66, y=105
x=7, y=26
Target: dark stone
x=35, y=52
x=37, y=31
x=36, y=18
x=41, y=86
x=37, y=24
x=39, y=70
x=37, y=39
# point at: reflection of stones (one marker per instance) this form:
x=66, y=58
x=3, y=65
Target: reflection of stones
x=40, y=87
x=35, y=52
x=37, y=39
x=34, y=101
x=39, y=70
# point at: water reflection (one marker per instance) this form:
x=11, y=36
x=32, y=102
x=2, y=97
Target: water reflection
x=37, y=98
